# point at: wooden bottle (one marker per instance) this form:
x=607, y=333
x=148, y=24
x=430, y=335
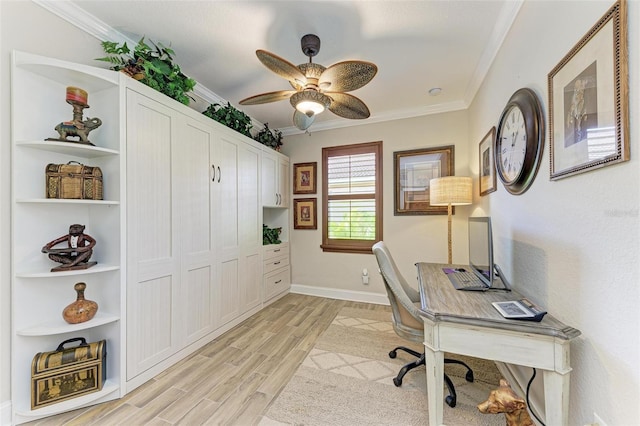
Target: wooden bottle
x=81, y=310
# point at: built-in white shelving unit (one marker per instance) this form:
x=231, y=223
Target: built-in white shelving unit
x=39, y=295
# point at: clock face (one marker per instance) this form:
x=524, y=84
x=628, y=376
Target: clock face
x=519, y=141
x=512, y=144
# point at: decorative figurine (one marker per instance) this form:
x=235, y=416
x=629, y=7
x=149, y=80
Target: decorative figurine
x=81, y=310
x=77, y=253
x=77, y=98
x=504, y=400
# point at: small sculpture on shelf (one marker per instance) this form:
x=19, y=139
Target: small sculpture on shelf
x=77, y=127
x=81, y=310
x=77, y=253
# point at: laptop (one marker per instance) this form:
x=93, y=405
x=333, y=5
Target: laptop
x=481, y=274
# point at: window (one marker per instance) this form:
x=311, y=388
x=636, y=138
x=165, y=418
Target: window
x=352, y=195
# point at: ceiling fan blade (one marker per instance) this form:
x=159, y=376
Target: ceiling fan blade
x=282, y=67
x=347, y=106
x=347, y=76
x=302, y=121
x=264, y=98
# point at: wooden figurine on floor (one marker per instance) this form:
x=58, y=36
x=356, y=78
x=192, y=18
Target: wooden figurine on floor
x=504, y=400
x=77, y=253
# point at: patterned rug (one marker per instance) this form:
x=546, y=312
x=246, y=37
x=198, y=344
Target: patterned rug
x=347, y=380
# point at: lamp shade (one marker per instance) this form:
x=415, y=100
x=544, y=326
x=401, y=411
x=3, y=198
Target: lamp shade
x=454, y=190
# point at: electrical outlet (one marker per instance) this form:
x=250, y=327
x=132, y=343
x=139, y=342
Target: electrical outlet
x=597, y=420
x=365, y=276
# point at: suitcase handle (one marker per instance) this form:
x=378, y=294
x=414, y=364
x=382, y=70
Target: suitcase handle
x=82, y=340
x=77, y=162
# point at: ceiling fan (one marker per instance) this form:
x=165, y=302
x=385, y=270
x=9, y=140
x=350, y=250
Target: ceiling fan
x=317, y=88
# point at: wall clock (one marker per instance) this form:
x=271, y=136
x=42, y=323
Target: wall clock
x=519, y=141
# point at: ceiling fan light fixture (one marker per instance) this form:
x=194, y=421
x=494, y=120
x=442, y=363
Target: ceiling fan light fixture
x=310, y=102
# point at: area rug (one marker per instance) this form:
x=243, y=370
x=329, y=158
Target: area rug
x=347, y=380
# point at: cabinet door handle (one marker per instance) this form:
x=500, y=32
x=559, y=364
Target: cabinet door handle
x=278, y=282
x=213, y=168
x=219, y=174
x=276, y=263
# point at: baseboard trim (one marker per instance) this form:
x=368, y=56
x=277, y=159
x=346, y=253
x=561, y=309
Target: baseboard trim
x=5, y=413
x=332, y=293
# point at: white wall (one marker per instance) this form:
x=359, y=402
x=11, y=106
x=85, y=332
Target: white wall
x=572, y=244
x=27, y=27
x=410, y=238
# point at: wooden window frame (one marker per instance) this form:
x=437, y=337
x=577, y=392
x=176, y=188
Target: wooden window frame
x=351, y=246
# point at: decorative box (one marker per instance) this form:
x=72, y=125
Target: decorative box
x=74, y=181
x=68, y=373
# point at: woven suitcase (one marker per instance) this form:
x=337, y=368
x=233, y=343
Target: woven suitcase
x=68, y=373
x=74, y=181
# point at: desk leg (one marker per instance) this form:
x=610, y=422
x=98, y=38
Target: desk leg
x=556, y=398
x=435, y=385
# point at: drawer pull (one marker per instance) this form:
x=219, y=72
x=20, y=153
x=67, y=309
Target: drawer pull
x=278, y=282
x=277, y=250
x=276, y=263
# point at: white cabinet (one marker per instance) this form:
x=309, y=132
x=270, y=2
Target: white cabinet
x=38, y=295
x=275, y=179
x=194, y=230
x=276, y=269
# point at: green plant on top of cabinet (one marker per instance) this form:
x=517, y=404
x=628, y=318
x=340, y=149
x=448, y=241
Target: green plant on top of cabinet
x=154, y=67
x=231, y=117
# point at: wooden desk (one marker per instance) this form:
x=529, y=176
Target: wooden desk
x=465, y=322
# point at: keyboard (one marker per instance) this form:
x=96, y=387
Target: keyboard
x=466, y=279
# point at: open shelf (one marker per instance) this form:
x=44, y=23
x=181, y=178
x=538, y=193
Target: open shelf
x=99, y=268
x=69, y=148
x=59, y=326
x=67, y=201
x=71, y=404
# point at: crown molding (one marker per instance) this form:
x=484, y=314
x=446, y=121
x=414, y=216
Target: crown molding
x=505, y=20
x=398, y=114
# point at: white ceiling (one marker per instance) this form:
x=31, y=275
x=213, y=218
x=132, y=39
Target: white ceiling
x=417, y=45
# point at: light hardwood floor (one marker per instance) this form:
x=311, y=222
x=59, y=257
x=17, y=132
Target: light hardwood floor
x=231, y=380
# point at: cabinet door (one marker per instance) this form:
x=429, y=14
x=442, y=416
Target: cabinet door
x=193, y=173
x=270, y=189
x=250, y=226
x=153, y=274
x=227, y=233
x=283, y=181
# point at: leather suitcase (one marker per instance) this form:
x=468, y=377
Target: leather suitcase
x=74, y=181
x=67, y=373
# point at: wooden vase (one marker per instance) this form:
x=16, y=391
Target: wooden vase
x=81, y=310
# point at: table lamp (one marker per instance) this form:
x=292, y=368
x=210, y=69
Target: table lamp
x=450, y=191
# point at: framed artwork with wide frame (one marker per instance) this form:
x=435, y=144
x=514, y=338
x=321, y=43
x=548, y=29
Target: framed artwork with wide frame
x=487, y=166
x=588, y=99
x=413, y=170
x=305, y=213
x=304, y=178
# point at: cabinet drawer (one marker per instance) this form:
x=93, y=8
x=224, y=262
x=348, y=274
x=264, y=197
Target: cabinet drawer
x=276, y=250
x=277, y=282
x=276, y=263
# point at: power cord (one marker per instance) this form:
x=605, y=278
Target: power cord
x=533, y=376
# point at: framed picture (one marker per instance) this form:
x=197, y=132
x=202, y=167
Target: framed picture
x=487, y=167
x=588, y=99
x=304, y=178
x=305, y=213
x=412, y=172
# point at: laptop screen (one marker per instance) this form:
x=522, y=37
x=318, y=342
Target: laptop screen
x=481, y=248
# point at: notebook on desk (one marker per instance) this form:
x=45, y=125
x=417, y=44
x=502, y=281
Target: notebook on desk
x=481, y=274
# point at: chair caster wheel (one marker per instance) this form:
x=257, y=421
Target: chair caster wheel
x=450, y=400
x=397, y=382
x=469, y=376
x=392, y=354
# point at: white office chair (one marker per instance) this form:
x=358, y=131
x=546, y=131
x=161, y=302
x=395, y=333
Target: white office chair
x=406, y=319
